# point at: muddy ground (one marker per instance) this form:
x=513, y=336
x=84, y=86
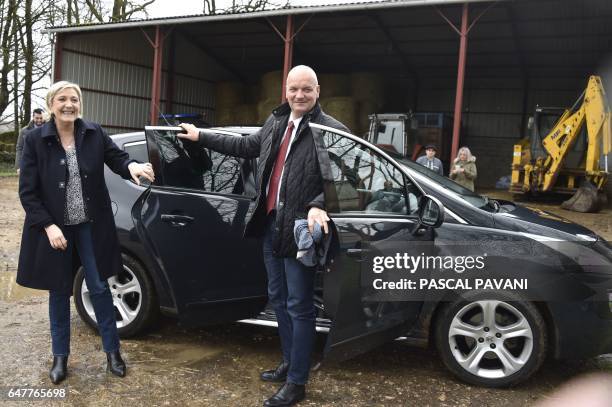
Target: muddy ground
x=219, y=366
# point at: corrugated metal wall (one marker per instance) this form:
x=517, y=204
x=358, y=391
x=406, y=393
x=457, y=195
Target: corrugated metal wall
x=114, y=72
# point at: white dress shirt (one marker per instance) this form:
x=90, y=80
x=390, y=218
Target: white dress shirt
x=296, y=124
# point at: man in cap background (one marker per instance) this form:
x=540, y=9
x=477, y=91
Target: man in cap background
x=430, y=161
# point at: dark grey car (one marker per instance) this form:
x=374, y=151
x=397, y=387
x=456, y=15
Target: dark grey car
x=184, y=254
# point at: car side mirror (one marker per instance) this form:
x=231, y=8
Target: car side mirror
x=431, y=211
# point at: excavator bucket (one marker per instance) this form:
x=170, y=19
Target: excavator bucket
x=586, y=199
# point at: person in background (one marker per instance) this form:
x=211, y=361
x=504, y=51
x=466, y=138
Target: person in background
x=430, y=161
x=37, y=121
x=69, y=220
x=463, y=171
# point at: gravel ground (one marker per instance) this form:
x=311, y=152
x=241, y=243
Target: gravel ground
x=219, y=366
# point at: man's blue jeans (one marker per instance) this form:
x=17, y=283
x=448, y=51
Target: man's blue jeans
x=99, y=293
x=291, y=295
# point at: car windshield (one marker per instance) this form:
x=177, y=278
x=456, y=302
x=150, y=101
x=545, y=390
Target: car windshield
x=479, y=201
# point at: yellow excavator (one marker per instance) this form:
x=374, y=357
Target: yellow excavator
x=563, y=156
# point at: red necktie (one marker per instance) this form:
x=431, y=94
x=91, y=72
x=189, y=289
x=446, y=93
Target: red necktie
x=278, y=169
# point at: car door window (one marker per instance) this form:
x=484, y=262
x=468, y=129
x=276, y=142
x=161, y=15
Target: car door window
x=137, y=150
x=185, y=164
x=367, y=182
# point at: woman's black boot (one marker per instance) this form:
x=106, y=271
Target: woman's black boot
x=116, y=365
x=59, y=370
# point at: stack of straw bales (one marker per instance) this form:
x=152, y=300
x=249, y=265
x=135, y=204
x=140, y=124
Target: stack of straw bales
x=350, y=98
x=230, y=107
x=270, y=94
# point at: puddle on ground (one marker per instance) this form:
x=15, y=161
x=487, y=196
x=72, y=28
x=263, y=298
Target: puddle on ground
x=173, y=354
x=11, y=291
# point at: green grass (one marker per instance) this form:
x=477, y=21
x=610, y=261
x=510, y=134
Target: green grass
x=7, y=169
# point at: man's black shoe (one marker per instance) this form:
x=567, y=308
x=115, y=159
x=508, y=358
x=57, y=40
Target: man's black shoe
x=59, y=369
x=115, y=365
x=277, y=375
x=288, y=395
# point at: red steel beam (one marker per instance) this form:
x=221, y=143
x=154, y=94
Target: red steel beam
x=157, y=71
x=463, y=33
x=170, y=77
x=288, y=55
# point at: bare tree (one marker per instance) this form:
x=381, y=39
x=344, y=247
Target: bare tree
x=124, y=9
x=95, y=11
x=243, y=6
x=8, y=11
x=25, y=58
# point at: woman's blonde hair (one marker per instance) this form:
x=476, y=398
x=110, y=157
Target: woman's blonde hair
x=58, y=87
x=467, y=152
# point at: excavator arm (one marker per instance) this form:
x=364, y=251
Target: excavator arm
x=595, y=113
x=542, y=174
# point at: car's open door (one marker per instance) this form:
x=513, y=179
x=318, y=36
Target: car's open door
x=193, y=219
x=374, y=207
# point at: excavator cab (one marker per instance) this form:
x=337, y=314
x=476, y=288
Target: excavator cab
x=544, y=120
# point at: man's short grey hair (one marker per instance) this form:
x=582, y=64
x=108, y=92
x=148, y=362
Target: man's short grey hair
x=304, y=68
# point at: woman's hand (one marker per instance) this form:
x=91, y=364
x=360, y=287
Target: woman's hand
x=56, y=237
x=141, y=170
x=190, y=132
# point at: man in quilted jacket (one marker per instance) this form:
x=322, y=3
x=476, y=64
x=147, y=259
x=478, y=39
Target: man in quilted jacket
x=290, y=179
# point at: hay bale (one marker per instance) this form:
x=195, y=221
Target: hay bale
x=367, y=86
x=271, y=85
x=245, y=115
x=364, y=110
x=334, y=85
x=228, y=94
x=342, y=109
x=255, y=91
x=264, y=109
x=225, y=116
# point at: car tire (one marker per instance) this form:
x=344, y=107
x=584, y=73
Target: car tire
x=503, y=351
x=134, y=299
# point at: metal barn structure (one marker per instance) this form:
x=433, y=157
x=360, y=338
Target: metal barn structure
x=487, y=63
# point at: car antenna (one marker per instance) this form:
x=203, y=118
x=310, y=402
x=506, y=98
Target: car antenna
x=163, y=116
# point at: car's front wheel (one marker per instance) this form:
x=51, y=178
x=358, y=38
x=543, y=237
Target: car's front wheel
x=134, y=299
x=491, y=339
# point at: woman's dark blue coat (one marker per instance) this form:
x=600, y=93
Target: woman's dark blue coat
x=42, y=190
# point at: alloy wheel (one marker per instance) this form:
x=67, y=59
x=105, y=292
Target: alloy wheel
x=126, y=292
x=490, y=339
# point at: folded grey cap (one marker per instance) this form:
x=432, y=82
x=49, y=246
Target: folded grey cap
x=306, y=242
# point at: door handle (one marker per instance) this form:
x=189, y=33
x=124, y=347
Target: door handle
x=354, y=252
x=420, y=231
x=177, y=220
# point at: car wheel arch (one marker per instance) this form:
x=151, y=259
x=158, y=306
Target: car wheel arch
x=162, y=288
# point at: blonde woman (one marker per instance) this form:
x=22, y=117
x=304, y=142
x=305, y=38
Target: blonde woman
x=69, y=221
x=463, y=171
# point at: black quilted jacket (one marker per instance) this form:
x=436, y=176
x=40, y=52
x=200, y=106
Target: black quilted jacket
x=302, y=183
